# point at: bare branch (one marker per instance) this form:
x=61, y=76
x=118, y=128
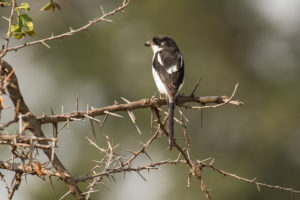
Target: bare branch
x=258, y=184
x=35, y=127
x=25, y=141
x=17, y=182
x=5, y=47
x=73, y=31
x=143, y=103
x=25, y=168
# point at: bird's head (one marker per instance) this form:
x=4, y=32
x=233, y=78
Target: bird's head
x=161, y=42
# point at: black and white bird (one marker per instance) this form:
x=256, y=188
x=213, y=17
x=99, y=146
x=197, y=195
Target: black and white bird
x=168, y=73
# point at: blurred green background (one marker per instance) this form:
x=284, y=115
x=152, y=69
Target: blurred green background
x=255, y=43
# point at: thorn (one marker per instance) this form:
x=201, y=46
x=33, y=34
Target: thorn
x=108, y=20
x=103, y=13
x=212, y=162
x=257, y=187
x=51, y=184
x=103, y=121
x=195, y=88
x=147, y=155
x=113, y=114
x=63, y=126
x=5, y=18
x=53, y=151
x=92, y=118
x=44, y=43
x=141, y=176
x=77, y=104
x=113, y=178
x=151, y=119
x=68, y=123
x=127, y=101
x=93, y=129
x=133, y=119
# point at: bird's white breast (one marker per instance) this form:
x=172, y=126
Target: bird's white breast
x=159, y=84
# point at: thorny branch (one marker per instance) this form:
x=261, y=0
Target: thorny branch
x=123, y=164
x=143, y=103
x=5, y=46
x=20, y=147
x=24, y=148
x=111, y=163
x=72, y=31
x=26, y=141
x=34, y=126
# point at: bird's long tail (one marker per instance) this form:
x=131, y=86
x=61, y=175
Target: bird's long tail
x=171, y=124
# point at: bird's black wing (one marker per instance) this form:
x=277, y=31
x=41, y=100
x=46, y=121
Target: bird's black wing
x=172, y=79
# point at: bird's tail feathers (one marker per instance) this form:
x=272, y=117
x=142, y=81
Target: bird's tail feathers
x=171, y=123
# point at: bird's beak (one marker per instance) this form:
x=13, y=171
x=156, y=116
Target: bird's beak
x=148, y=43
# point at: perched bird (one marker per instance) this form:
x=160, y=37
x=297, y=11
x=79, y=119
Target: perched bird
x=168, y=73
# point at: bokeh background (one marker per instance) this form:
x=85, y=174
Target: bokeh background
x=255, y=43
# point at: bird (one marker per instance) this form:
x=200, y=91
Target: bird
x=168, y=73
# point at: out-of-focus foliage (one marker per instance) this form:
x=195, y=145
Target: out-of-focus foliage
x=25, y=23
x=255, y=43
x=3, y=3
x=50, y=5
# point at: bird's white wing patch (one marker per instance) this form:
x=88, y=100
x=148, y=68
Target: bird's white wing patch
x=181, y=60
x=159, y=59
x=172, y=69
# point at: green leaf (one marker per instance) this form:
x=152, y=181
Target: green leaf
x=14, y=28
x=21, y=21
x=19, y=35
x=29, y=26
x=30, y=33
x=24, y=6
x=27, y=21
x=26, y=17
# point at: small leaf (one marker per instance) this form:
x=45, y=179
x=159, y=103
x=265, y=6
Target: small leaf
x=51, y=5
x=19, y=35
x=26, y=17
x=30, y=33
x=48, y=6
x=21, y=21
x=29, y=25
x=14, y=27
x=24, y=6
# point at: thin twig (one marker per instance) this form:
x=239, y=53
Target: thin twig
x=72, y=31
x=5, y=47
x=195, y=88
